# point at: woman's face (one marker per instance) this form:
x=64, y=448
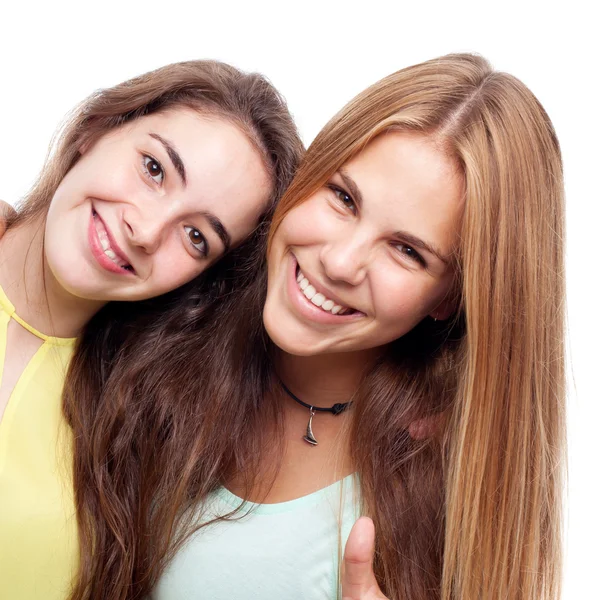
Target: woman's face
x=366, y=258
x=151, y=205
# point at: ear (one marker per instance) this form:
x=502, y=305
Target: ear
x=444, y=309
x=86, y=140
x=84, y=146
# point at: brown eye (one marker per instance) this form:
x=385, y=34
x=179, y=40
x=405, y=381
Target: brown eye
x=195, y=236
x=343, y=198
x=197, y=240
x=410, y=253
x=154, y=169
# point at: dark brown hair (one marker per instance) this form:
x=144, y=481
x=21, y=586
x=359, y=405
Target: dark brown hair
x=478, y=516
x=107, y=485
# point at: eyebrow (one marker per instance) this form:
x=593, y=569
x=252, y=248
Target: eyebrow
x=173, y=155
x=213, y=221
x=351, y=184
x=409, y=238
x=218, y=228
x=421, y=244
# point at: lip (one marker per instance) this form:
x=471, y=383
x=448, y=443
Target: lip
x=98, y=252
x=306, y=308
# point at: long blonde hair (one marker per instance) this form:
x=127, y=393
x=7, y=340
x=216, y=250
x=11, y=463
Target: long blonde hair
x=478, y=516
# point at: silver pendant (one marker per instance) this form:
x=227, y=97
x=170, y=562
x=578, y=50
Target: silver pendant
x=309, y=437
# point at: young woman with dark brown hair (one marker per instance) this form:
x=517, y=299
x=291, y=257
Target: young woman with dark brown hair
x=150, y=184
x=415, y=268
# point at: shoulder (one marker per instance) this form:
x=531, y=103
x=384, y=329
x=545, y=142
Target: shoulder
x=6, y=210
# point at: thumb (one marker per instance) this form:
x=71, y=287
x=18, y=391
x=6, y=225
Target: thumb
x=358, y=578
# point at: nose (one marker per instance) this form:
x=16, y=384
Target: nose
x=144, y=230
x=346, y=260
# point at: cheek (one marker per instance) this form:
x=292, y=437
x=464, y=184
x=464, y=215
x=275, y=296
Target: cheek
x=65, y=197
x=110, y=181
x=311, y=222
x=172, y=267
x=66, y=246
x=402, y=301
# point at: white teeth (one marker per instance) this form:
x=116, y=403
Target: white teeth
x=111, y=254
x=108, y=251
x=317, y=298
x=310, y=291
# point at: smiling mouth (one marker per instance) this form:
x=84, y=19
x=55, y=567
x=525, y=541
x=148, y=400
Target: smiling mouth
x=109, y=252
x=320, y=300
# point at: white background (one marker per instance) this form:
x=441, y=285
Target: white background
x=320, y=54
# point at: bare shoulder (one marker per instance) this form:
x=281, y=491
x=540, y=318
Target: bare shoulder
x=6, y=211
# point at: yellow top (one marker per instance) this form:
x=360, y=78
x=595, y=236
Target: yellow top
x=38, y=532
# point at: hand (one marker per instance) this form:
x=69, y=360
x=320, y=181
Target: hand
x=358, y=579
x=6, y=211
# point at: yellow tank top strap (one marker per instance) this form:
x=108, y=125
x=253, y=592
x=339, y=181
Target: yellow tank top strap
x=8, y=307
x=5, y=303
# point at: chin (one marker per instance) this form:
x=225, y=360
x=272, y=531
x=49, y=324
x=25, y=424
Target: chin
x=286, y=340
x=75, y=279
x=83, y=292
x=296, y=349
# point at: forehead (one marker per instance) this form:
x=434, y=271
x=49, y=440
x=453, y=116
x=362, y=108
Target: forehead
x=409, y=183
x=211, y=138
x=225, y=172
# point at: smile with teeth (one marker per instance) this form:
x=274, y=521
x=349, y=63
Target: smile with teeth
x=105, y=243
x=319, y=299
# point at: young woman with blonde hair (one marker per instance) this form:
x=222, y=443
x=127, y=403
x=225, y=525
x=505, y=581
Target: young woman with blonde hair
x=150, y=184
x=457, y=168
x=415, y=268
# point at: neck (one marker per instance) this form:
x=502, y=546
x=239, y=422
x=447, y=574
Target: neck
x=324, y=380
x=28, y=282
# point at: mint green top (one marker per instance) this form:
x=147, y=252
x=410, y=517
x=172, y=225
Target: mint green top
x=289, y=550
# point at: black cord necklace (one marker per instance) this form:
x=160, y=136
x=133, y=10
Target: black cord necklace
x=336, y=409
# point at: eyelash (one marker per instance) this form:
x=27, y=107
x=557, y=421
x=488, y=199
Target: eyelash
x=204, y=252
x=414, y=255
x=338, y=191
x=147, y=172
